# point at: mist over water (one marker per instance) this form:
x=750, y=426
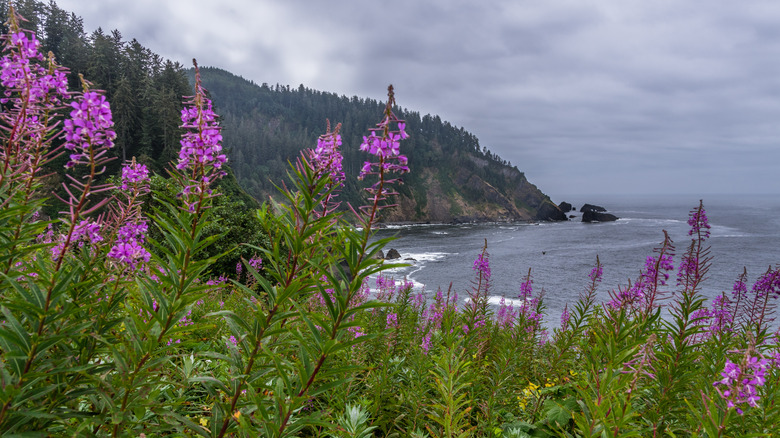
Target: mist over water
x=745, y=234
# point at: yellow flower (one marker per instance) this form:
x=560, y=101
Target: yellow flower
x=204, y=422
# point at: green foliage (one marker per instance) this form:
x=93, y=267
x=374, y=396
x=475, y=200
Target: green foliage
x=93, y=346
x=353, y=423
x=235, y=225
x=450, y=412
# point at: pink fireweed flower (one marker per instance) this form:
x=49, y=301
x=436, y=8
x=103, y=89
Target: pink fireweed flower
x=326, y=158
x=526, y=288
x=532, y=319
x=384, y=142
x=130, y=253
x=20, y=72
x=132, y=231
x=31, y=91
x=506, y=314
x=386, y=288
x=740, y=381
x=665, y=264
x=201, y=143
x=356, y=331
x=200, y=156
x=134, y=173
x=768, y=284
x=217, y=281
x=84, y=232
x=698, y=222
x=739, y=289
x=392, y=321
x=128, y=248
x=721, y=315
x=565, y=317
x=482, y=265
x=626, y=297
x=89, y=230
x=88, y=131
x=645, y=289
x=425, y=345
x=418, y=301
x=596, y=274
x=256, y=263
x=687, y=269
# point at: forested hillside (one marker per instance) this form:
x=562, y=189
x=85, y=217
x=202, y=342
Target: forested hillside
x=144, y=89
x=452, y=177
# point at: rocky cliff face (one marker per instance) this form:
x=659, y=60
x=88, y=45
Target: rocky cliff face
x=465, y=195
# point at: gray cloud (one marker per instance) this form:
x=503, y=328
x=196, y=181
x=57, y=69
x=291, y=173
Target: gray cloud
x=615, y=96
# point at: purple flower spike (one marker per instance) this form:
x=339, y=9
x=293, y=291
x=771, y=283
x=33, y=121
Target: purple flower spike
x=698, y=222
x=565, y=316
x=526, y=288
x=202, y=144
x=134, y=173
x=89, y=128
x=739, y=382
x=128, y=249
x=596, y=273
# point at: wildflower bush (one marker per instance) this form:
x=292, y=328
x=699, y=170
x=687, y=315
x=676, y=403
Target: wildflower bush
x=111, y=324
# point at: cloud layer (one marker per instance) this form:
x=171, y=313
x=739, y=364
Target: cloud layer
x=610, y=96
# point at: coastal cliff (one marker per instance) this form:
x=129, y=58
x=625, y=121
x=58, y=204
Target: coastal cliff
x=452, y=177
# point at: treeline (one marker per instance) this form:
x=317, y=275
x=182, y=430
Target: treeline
x=265, y=126
x=144, y=89
x=146, y=95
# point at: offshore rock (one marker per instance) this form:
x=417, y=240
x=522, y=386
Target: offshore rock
x=565, y=207
x=597, y=216
x=589, y=207
x=392, y=254
x=548, y=211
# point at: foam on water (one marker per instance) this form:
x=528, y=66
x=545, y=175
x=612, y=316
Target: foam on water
x=495, y=300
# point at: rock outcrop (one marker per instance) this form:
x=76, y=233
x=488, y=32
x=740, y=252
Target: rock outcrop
x=565, y=207
x=589, y=207
x=598, y=216
x=550, y=212
x=468, y=194
x=392, y=254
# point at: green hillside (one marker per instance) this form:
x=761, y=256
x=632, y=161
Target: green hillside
x=452, y=177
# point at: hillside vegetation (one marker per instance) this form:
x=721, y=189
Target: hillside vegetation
x=452, y=177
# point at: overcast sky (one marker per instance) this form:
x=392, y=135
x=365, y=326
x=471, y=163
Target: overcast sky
x=585, y=96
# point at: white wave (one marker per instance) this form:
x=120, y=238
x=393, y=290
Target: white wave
x=654, y=222
x=439, y=232
x=407, y=226
x=496, y=301
x=724, y=231
x=424, y=256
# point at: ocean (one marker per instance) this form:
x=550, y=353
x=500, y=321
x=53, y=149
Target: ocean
x=745, y=234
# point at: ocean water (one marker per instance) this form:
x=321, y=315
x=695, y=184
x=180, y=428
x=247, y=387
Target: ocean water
x=745, y=235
